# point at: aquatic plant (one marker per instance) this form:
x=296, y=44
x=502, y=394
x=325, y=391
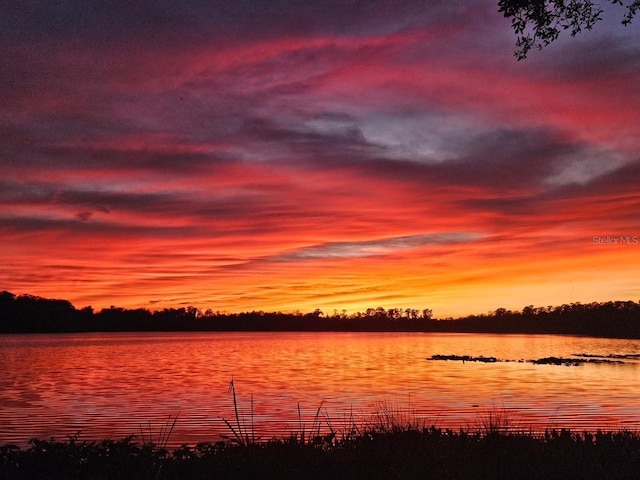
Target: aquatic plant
x=465, y=358
x=569, y=362
x=164, y=433
x=243, y=434
x=312, y=436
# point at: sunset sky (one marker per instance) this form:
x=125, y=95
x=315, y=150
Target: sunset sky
x=281, y=155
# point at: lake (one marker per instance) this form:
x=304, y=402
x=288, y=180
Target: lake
x=110, y=385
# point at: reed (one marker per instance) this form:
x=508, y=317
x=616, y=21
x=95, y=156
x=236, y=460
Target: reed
x=243, y=434
x=312, y=435
x=496, y=421
x=390, y=417
x=164, y=433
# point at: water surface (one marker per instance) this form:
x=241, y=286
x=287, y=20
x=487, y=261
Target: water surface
x=109, y=385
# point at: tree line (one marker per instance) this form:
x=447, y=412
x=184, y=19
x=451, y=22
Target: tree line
x=32, y=314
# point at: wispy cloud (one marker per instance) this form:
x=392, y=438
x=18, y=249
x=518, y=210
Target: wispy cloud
x=375, y=247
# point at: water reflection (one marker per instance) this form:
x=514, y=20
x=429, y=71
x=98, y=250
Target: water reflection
x=107, y=385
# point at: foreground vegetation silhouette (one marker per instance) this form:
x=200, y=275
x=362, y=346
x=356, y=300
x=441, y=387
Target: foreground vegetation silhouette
x=31, y=314
x=383, y=450
x=537, y=23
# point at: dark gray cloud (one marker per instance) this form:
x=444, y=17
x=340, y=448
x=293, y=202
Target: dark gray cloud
x=107, y=20
x=497, y=160
x=171, y=204
x=144, y=159
x=80, y=229
x=505, y=159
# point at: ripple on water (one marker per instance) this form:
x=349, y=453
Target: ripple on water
x=114, y=385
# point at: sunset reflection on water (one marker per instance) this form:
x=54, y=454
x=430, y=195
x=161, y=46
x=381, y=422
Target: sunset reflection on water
x=113, y=385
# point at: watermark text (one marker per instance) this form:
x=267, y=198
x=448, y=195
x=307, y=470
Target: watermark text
x=615, y=240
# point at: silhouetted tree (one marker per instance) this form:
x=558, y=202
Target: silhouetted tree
x=537, y=23
x=28, y=313
x=411, y=313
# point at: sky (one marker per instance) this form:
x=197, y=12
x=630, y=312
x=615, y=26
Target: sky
x=287, y=156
